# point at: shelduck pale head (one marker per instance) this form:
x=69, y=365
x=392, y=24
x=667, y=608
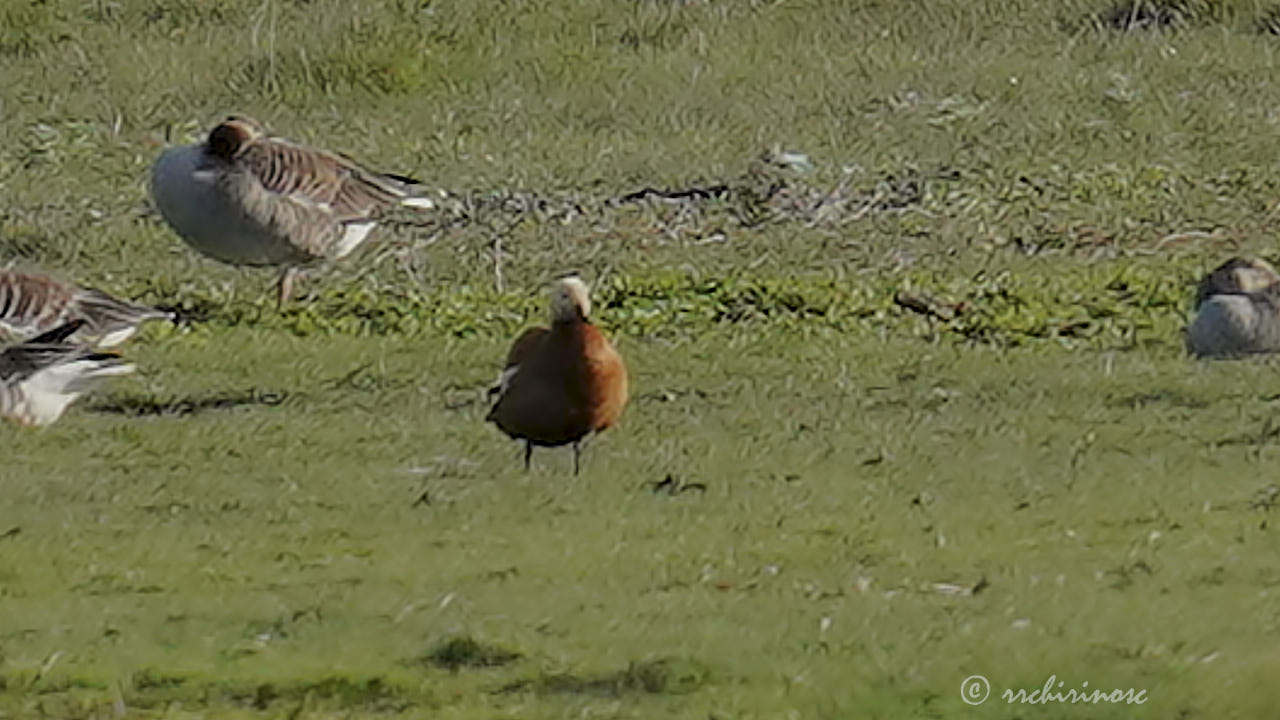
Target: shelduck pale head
x=570, y=300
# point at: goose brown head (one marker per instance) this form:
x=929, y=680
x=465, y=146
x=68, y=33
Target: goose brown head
x=1237, y=275
x=232, y=135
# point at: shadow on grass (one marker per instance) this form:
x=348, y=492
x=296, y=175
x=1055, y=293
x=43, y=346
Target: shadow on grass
x=1168, y=398
x=1267, y=434
x=1269, y=22
x=149, y=406
x=344, y=692
x=1132, y=16
x=150, y=689
x=670, y=676
x=464, y=651
x=1145, y=15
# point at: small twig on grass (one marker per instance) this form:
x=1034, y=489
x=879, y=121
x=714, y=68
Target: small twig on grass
x=497, y=262
x=423, y=499
x=118, y=705
x=1178, y=237
x=342, y=381
x=498, y=235
x=45, y=667
x=700, y=193
x=924, y=305
x=861, y=212
x=962, y=590
x=816, y=213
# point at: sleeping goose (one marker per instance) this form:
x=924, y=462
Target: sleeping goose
x=245, y=197
x=1237, y=311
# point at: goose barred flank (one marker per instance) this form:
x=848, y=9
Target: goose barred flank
x=31, y=304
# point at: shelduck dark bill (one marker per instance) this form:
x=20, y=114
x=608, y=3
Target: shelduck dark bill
x=561, y=383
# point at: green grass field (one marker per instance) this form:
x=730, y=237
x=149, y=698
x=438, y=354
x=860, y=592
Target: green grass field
x=819, y=504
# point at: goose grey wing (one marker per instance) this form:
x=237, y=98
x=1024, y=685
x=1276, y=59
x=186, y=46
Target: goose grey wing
x=20, y=361
x=322, y=180
x=56, y=335
x=1267, y=303
x=104, y=309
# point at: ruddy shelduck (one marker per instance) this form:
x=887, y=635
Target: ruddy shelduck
x=41, y=377
x=1237, y=311
x=31, y=304
x=561, y=383
x=245, y=197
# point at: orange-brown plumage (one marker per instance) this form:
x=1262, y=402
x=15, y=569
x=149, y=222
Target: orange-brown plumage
x=525, y=345
x=561, y=383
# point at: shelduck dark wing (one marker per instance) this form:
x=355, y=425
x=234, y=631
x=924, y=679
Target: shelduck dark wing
x=525, y=345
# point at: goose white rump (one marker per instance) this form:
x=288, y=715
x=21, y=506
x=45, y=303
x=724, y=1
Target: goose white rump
x=41, y=377
x=42, y=398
